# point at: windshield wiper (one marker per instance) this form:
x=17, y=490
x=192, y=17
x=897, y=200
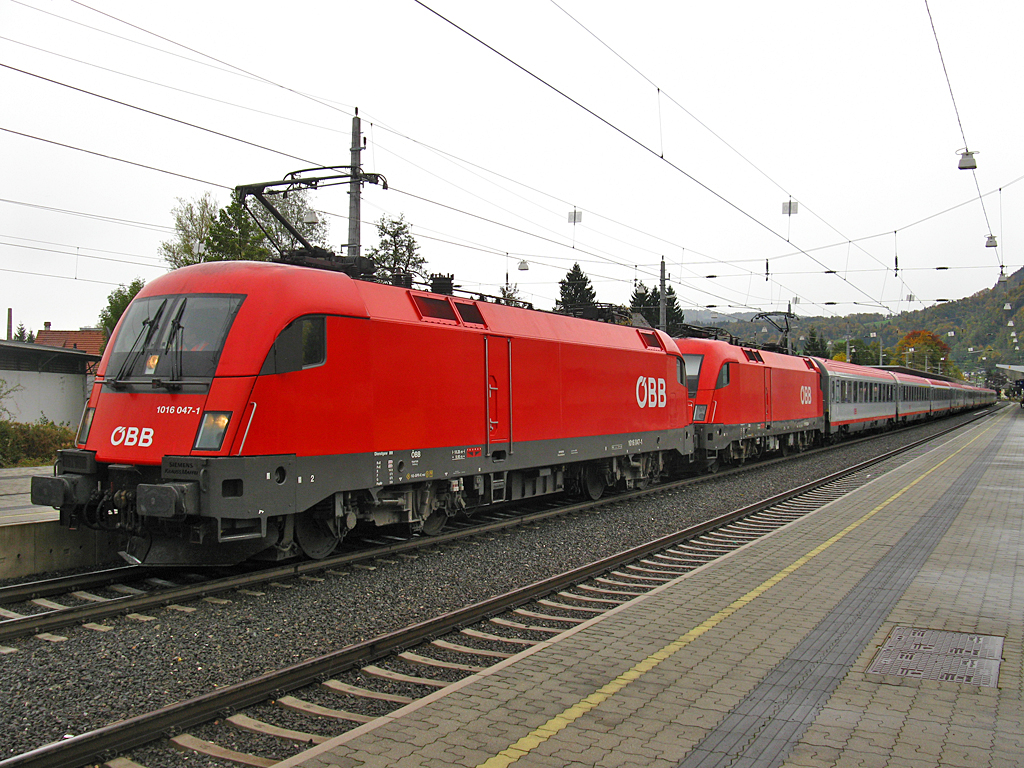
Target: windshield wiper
x=174, y=340
x=145, y=334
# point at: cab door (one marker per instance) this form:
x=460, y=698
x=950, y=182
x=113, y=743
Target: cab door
x=498, y=391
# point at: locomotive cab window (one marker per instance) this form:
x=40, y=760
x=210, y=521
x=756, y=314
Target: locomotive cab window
x=302, y=344
x=692, y=370
x=169, y=338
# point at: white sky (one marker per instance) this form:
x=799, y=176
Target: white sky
x=844, y=107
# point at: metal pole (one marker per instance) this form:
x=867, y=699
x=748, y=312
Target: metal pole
x=789, y=341
x=354, y=189
x=662, y=304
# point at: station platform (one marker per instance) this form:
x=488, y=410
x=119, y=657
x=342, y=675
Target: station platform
x=31, y=538
x=885, y=629
x=15, y=502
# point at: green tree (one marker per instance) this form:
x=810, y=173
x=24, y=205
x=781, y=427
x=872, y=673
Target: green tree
x=397, y=250
x=117, y=303
x=815, y=345
x=204, y=232
x=575, y=291
x=236, y=236
x=648, y=304
x=192, y=221
x=510, y=295
x=23, y=335
x=296, y=208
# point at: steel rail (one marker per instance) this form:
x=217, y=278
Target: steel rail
x=109, y=740
x=30, y=590
x=93, y=612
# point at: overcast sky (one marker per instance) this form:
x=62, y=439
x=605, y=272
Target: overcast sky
x=679, y=129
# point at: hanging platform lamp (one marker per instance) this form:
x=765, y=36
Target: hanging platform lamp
x=967, y=161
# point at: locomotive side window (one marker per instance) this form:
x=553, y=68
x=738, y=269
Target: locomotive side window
x=302, y=344
x=314, y=341
x=469, y=313
x=693, y=363
x=650, y=340
x=724, y=376
x=434, y=308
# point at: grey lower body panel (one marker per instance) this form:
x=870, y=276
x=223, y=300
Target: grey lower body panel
x=248, y=487
x=717, y=437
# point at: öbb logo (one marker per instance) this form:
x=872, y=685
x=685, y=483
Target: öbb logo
x=132, y=436
x=806, y=396
x=650, y=392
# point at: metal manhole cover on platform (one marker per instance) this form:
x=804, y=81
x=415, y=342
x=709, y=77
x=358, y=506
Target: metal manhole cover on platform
x=928, y=654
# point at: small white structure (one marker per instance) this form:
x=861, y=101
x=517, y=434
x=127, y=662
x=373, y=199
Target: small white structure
x=49, y=382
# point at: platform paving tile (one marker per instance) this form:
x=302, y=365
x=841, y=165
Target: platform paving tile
x=964, y=757
x=904, y=722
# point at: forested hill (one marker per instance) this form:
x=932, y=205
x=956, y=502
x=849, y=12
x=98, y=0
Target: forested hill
x=981, y=322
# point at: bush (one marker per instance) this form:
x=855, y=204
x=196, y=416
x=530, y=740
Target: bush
x=32, y=445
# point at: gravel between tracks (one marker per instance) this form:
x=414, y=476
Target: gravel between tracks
x=94, y=678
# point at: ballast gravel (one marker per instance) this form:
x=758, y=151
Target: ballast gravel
x=59, y=689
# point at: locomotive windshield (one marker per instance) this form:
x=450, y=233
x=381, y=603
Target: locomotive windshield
x=168, y=338
x=693, y=364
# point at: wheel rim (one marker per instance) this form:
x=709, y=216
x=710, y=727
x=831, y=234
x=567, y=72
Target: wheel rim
x=434, y=523
x=315, y=538
x=593, y=483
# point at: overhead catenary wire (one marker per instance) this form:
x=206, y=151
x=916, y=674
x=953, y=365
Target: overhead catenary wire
x=710, y=130
x=960, y=123
x=248, y=74
x=622, y=132
x=292, y=90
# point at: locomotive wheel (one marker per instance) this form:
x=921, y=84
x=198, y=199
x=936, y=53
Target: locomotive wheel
x=593, y=483
x=316, y=539
x=434, y=523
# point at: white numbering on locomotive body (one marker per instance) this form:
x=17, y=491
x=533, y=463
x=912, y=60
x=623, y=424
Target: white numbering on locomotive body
x=650, y=392
x=178, y=410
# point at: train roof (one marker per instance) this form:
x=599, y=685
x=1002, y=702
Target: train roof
x=276, y=294
x=724, y=351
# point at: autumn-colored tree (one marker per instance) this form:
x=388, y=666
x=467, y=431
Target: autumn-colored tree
x=922, y=350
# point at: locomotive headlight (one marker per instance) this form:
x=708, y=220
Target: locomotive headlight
x=85, y=426
x=211, y=430
x=700, y=412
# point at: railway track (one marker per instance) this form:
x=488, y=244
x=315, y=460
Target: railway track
x=42, y=607
x=261, y=720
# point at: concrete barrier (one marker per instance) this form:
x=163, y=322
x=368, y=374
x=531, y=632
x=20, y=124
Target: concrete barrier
x=27, y=549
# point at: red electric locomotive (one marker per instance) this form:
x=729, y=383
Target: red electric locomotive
x=249, y=409
x=748, y=402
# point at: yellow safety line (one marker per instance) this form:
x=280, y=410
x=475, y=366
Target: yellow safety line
x=562, y=721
